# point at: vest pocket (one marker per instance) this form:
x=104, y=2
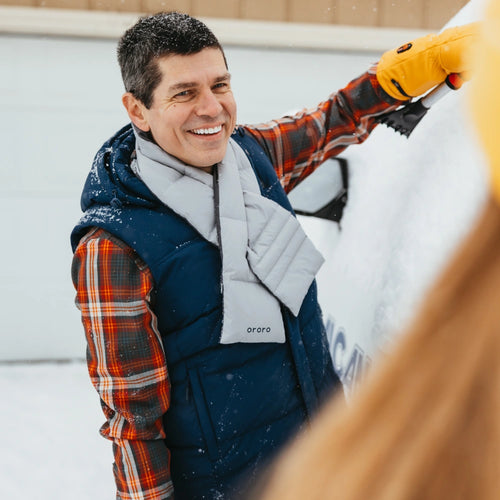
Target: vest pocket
x=200, y=402
x=246, y=395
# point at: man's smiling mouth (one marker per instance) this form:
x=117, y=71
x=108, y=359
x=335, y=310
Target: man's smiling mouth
x=207, y=131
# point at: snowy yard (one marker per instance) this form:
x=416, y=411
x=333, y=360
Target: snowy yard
x=51, y=448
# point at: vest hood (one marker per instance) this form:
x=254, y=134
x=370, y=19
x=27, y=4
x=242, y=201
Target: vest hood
x=111, y=181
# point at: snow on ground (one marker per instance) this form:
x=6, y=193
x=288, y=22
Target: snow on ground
x=51, y=448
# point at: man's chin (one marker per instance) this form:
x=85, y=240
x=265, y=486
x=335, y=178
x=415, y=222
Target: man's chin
x=207, y=162
x=203, y=157
x=210, y=158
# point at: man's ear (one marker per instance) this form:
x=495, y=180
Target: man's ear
x=136, y=111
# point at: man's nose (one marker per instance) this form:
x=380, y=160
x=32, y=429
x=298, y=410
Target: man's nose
x=208, y=104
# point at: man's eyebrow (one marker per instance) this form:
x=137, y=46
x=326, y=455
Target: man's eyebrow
x=225, y=76
x=181, y=86
x=188, y=85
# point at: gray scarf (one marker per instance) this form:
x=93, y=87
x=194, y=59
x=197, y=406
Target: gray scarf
x=266, y=256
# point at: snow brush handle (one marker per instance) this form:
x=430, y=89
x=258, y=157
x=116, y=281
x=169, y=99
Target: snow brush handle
x=407, y=117
x=453, y=82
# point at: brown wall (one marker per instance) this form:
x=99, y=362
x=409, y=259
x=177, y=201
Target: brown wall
x=424, y=14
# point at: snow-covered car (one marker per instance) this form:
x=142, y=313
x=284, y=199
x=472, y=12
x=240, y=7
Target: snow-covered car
x=389, y=226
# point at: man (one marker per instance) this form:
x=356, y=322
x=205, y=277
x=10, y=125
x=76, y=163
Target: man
x=188, y=258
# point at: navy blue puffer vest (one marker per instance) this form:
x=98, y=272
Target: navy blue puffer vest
x=232, y=406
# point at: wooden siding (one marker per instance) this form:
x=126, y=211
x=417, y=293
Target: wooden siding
x=419, y=14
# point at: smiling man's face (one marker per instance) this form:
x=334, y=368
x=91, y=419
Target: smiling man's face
x=193, y=113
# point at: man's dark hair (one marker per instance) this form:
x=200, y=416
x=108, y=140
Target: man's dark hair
x=152, y=37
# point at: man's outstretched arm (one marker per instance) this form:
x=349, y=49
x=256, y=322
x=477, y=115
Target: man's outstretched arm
x=297, y=144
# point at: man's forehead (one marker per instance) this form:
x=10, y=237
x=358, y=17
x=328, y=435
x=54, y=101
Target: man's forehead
x=211, y=56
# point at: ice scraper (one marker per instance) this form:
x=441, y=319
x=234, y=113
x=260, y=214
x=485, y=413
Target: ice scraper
x=405, y=118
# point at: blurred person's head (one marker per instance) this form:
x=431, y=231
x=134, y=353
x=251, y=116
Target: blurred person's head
x=178, y=88
x=484, y=97
x=426, y=423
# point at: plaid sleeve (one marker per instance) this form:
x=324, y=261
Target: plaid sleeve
x=298, y=144
x=126, y=362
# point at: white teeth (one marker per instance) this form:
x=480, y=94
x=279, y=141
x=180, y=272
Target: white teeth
x=207, y=131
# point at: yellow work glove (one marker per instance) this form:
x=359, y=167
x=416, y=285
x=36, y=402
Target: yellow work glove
x=417, y=66
x=484, y=95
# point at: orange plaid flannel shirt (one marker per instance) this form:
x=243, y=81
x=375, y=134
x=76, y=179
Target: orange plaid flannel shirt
x=126, y=361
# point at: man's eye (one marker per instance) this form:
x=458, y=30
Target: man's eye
x=221, y=86
x=185, y=94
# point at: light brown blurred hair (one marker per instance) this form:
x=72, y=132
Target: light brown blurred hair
x=426, y=423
